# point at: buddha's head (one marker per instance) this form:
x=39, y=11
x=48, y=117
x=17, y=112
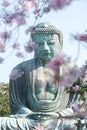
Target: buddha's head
x=49, y=41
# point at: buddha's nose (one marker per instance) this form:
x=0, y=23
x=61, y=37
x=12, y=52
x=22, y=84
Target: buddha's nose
x=46, y=47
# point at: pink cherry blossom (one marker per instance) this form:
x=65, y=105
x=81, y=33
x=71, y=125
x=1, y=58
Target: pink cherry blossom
x=76, y=88
x=29, y=29
x=76, y=107
x=71, y=75
x=5, y=3
x=39, y=127
x=27, y=4
x=16, y=16
x=16, y=73
x=1, y=60
x=5, y=35
x=2, y=47
x=9, y=17
x=19, y=54
x=16, y=45
x=58, y=4
x=15, y=13
x=83, y=72
x=81, y=37
x=20, y=20
x=30, y=47
x=85, y=76
x=85, y=115
x=56, y=62
x=16, y=8
x=53, y=124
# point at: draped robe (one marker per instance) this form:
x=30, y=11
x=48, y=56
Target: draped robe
x=21, y=92
x=26, y=110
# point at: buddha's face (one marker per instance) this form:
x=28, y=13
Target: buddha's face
x=48, y=46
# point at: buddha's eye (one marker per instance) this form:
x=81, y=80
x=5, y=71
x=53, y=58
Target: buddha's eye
x=40, y=44
x=50, y=43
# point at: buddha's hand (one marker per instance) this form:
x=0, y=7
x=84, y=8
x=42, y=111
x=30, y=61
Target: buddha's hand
x=53, y=114
x=42, y=115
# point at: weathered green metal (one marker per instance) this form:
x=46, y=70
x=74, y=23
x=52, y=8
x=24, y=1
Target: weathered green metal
x=34, y=97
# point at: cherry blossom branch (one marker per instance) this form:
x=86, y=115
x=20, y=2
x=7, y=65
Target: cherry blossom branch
x=17, y=13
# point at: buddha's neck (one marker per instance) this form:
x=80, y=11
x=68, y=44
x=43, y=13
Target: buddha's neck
x=41, y=62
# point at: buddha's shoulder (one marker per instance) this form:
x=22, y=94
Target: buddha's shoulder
x=26, y=64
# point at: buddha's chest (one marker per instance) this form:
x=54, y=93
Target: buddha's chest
x=44, y=87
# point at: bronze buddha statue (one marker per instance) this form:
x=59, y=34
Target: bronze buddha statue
x=33, y=95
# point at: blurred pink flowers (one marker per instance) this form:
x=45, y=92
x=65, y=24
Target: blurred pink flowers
x=30, y=47
x=16, y=45
x=76, y=88
x=83, y=73
x=19, y=54
x=70, y=73
x=76, y=107
x=29, y=29
x=85, y=115
x=58, y=61
x=5, y=35
x=9, y=17
x=39, y=127
x=1, y=60
x=2, y=47
x=20, y=20
x=58, y=4
x=15, y=14
x=27, y=4
x=5, y=3
x=80, y=37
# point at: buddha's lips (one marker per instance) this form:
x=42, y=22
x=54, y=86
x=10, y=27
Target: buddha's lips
x=46, y=52
x=45, y=55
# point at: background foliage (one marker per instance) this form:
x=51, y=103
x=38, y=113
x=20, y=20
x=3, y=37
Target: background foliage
x=4, y=99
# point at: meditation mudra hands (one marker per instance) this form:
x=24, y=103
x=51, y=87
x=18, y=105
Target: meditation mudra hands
x=47, y=120
x=27, y=113
x=43, y=116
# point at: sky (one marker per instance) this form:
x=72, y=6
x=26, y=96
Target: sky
x=70, y=20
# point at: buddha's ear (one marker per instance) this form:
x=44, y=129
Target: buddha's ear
x=58, y=49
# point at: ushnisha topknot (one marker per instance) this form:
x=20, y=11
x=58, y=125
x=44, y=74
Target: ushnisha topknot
x=46, y=27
